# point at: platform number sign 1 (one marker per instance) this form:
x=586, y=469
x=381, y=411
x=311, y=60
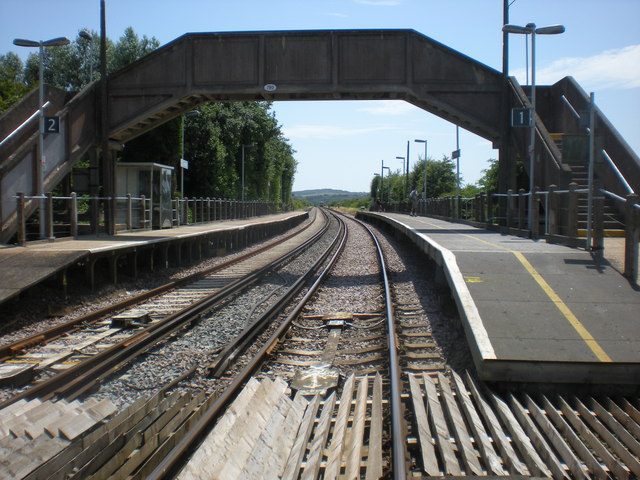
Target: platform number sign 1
x=51, y=124
x=520, y=117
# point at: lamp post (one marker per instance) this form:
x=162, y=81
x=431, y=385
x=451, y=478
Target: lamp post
x=54, y=42
x=403, y=171
x=184, y=164
x=425, y=166
x=531, y=29
x=242, y=181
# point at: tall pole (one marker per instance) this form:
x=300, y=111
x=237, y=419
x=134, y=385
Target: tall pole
x=407, y=176
x=591, y=159
x=242, y=181
x=41, y=155
x=181, y=159
x=532, y=131
x=505, y=38
x=107, y=161
x=457, y=161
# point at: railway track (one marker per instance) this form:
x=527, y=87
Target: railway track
x=314, y=395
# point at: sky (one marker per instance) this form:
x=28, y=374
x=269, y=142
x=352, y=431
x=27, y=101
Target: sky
x=341, y=144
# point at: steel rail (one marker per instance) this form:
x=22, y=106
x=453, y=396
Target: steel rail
x=76, y=380
x=175, y=457
x=10, y=350
x=397, y=428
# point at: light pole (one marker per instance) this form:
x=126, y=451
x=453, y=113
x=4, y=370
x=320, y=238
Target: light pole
x=531, y=29
x=242, y=181
x=184, y=164
x=54, y=42
x=425, y=166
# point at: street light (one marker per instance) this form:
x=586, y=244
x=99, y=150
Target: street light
x=242, y=185
x=531, y=29
x=54, y=42
x=425, y=165
x=184, y=164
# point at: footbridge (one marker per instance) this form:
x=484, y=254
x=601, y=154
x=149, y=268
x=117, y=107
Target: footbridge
x=300, y=65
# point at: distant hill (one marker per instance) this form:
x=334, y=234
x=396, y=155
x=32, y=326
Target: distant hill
x=326, y=195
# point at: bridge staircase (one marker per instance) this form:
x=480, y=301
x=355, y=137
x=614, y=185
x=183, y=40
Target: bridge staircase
x=19, y=166
x=561, y=108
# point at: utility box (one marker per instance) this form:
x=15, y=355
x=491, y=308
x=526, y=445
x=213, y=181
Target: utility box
x=152, y=180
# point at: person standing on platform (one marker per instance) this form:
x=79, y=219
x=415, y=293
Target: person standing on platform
x=413, y=196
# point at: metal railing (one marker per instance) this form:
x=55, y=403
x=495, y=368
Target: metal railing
x=70, y=216
x=556, y=216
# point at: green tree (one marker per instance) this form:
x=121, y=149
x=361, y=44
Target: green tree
x=12, y=86
x=441, y=177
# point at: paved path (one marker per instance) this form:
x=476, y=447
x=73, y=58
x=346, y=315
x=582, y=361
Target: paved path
x=530, y=304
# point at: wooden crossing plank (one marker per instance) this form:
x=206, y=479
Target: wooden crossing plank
x=283, y=448
x=374, y=457
x=537, y=439
x=299, y=447
x=556, y=439
x=631, y=410
x=261, y=458
x=609, y=460
x=618, y=448
x=518, y=436
x=429, y=460
x=504, y=446
x=451, y=466
x=320, y=435
x=625, y=437
x=353, y=452
x=491, y=459
x=211, y=447
x=624, y=419
x=468, y=452
x=581, y=450
x=246, y=431
x=334, y=452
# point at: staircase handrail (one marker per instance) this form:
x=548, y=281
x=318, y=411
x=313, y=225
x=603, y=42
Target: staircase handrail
x=24, y=124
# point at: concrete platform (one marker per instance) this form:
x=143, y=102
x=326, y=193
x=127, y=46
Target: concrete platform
x=533, y=311
x=22, y=268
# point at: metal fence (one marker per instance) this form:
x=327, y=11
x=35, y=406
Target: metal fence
x=73, y=215
x=571, y=217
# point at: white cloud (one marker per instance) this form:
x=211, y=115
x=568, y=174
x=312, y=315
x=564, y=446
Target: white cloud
x=338, y=15
x=326, y=132
x=619, y=68
x=389, y=107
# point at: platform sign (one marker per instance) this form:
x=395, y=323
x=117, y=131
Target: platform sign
x=520, y=117
x=455, y=154
x=184, y=164
x=51, y=124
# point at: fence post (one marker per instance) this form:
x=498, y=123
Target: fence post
x=143, y=213
x=572, y=211
x=73, y=214
x=22, y=224
x=521, y=203
x=129, y=221
x=632, y=237
x=49, y=217
x=598, y=216
x=509, y=208
x=535, y=215
x=553, y=210
x=114, y=215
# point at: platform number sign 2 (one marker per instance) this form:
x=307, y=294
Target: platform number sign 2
x=51, y=124
x=520, y=117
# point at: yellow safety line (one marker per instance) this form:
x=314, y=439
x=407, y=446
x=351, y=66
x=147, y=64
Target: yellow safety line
x=554, y=297
x=566, y=311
